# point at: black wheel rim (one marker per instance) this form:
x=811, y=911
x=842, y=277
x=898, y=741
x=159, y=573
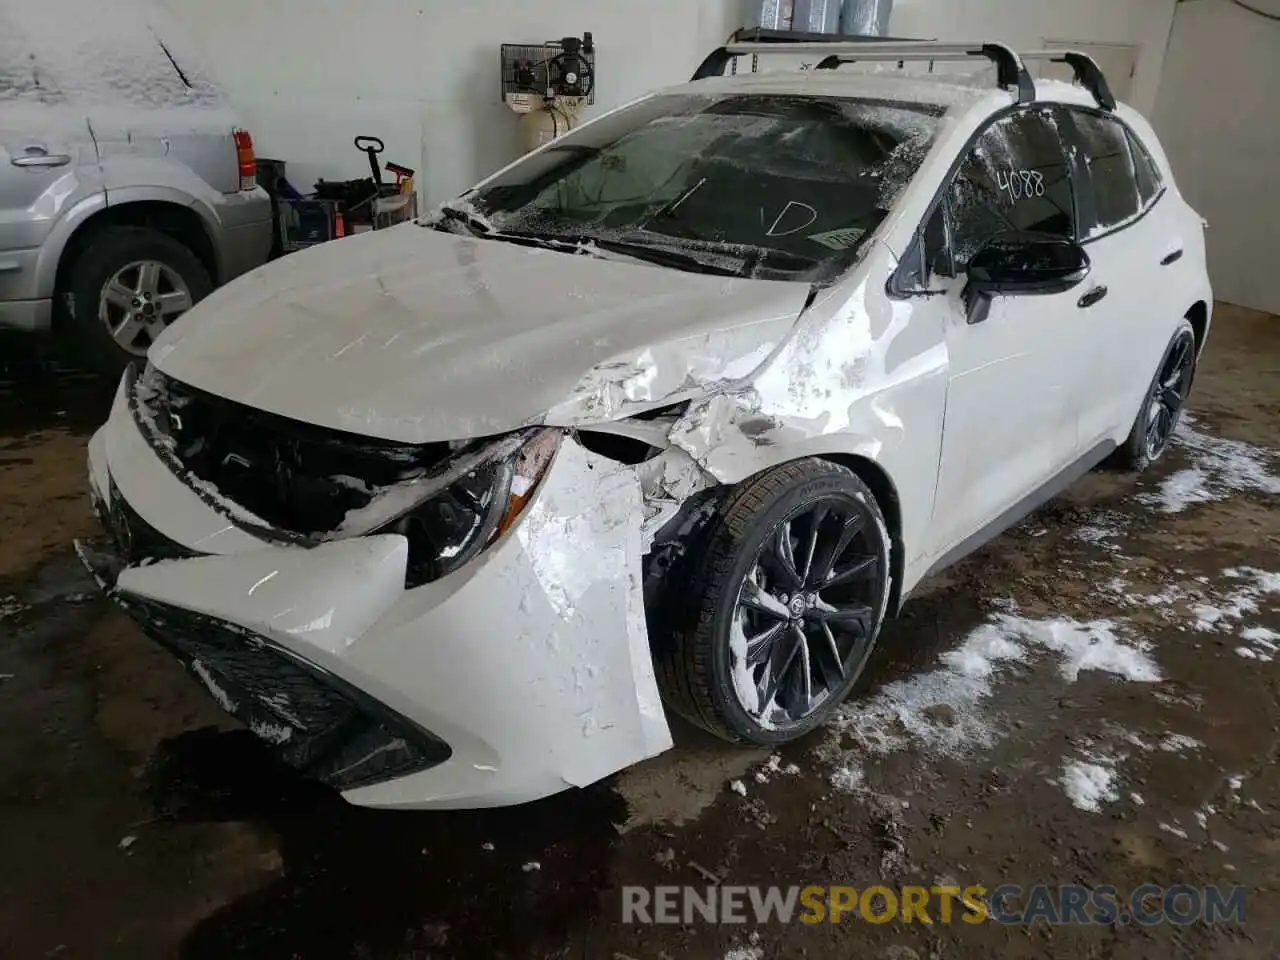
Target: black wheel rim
x=806, y=611
x=1170, y=394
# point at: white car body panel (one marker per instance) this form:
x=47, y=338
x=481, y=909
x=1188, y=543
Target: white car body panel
x=532, y=663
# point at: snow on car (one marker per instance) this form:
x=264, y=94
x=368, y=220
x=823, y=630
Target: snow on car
x=674, y=410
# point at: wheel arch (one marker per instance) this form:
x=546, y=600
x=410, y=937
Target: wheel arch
x=1198, y=316
x=885, y=490
x=177, y=220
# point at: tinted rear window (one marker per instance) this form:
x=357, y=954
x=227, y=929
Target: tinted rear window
x=1112, y=176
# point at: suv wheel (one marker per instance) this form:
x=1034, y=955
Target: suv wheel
x=125, y=288
x=793, y=587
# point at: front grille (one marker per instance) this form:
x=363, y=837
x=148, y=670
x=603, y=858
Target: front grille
x=294, y=476
x=314, y=721
x=136, y=540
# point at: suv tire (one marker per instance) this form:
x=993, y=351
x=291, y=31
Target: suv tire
x=116, y=257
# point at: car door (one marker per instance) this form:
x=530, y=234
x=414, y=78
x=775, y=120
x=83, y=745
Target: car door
x=1126, y=316
x=47, y=163
x=1010, y=424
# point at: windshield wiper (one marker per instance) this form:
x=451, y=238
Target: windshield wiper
x=473, y=222
x=666, y=257
x=582, y=245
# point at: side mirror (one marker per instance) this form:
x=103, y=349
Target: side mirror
x=1028, y=263
x=1022, y=263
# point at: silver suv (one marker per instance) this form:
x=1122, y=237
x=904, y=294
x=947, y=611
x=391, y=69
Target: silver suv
x=127, y=188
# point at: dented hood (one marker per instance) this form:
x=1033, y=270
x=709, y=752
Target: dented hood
x=415, y=335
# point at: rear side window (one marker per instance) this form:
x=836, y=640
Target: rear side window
x=1150, y=183
x=1016, y=177
x=1112, y=171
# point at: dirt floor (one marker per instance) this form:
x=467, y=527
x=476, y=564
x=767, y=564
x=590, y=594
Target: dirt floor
x=1090, y=700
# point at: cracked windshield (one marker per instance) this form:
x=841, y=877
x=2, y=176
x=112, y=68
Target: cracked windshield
x=774, y=186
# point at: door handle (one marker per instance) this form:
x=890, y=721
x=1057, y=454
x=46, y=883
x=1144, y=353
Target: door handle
x=1092, y=297
x=42, y=160
x=1171, y=258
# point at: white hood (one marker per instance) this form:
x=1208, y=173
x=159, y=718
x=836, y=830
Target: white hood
x=415, y=335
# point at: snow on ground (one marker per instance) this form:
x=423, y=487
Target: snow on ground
x=1103, y=530
x=943, y=711
x=1089, y=784
x=1218, y=469
x=1251, y=591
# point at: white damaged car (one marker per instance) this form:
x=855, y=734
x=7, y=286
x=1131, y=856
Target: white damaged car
x=674, y=410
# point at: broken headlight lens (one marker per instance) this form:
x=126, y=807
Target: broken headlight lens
x=451, y=528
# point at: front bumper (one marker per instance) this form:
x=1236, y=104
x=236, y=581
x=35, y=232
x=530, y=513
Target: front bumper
x=524, y=673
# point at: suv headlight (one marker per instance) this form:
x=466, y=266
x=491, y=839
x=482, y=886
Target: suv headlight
x=479, y=502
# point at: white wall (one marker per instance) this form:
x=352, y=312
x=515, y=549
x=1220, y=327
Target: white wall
x=1026, y=24
x=309, y=75
x=1219, y=119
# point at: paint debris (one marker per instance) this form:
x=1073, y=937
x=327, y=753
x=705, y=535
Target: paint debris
x=773, y=768
x=738, y=787
x=11, y=607
x=1176, y=831
x=127, y=842
x=752, y=951
x=1088, y=785
x=531, y=866
x=488, y=847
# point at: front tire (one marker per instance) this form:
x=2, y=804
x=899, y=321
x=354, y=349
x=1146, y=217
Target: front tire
x=787, y=606
x=1162, y=405
x=126, y=287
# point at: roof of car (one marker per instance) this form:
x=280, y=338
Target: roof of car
x=958, y=92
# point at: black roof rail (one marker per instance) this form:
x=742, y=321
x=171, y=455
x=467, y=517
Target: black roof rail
x=1010, y=70
x=1088, y=74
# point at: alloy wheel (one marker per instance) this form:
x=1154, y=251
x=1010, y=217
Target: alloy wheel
x=807, y=611
x=1170, y=394
x=139, y=301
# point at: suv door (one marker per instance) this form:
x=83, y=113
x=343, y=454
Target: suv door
x=47, y=164
x=1131, y=243
x=1011, y=421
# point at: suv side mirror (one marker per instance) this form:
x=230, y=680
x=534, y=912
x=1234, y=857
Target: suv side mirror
x=1028, y=263
x=1022, y=263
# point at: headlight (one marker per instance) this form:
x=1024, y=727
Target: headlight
x=451, y=527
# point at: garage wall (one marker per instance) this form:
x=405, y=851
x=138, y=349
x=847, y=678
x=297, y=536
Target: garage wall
x=1219, y=120
x=309, y=75
x=1026, y=24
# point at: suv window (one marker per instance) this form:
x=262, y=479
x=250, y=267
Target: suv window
x=1105, y=143
x=1150, y=183
x=1016, y=177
